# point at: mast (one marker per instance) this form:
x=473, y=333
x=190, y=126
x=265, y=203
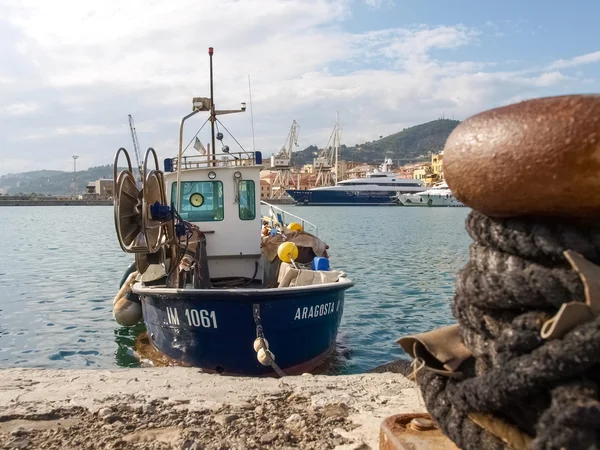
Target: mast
x=337, y=144
x=212, y=104
x=202, y=104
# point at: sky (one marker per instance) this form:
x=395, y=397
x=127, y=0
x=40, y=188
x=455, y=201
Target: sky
x=72, y=71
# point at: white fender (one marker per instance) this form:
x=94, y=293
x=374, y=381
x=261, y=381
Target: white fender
x=126, y=312
x=257, y=344
x=265, y=357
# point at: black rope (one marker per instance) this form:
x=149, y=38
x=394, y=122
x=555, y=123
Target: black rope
x=515, y=280
x=251, y=280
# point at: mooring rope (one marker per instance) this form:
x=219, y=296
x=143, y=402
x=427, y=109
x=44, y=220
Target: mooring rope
x=263, y=342
x=543, y=394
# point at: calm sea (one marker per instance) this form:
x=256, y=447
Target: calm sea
x=60, y=268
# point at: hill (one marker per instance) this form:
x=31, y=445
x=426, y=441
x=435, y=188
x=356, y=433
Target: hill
x=51, y=182
x=411, y=144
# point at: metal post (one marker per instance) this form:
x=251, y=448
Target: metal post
x=251, y=115
x=179, y=161
x=75, y=174
x=337, y=145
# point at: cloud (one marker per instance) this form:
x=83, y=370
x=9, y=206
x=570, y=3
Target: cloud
x=550, y=79
x=18, y=109
x=71, y=130
x=87, y=66
x=588, y=58
x=402, y=43
x=378, y=3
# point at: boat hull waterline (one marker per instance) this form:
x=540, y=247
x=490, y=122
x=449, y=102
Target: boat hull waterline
x=215, y=330
x=339, y=197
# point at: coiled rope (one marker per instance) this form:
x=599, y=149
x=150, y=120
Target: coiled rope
x=519, y=390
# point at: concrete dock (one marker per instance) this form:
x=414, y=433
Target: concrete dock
x=182, y=408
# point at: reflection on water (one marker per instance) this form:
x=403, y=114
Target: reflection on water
x=61, y=268
x=126, y=339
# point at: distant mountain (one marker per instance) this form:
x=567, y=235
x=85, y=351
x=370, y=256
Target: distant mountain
x=51, y=182
x=411, y=144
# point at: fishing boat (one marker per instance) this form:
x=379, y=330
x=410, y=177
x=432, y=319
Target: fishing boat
x=220, y=285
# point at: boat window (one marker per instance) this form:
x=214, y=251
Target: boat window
x=201, y=201
x=247, y=204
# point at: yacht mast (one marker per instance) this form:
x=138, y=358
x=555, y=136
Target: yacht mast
x=336, y=143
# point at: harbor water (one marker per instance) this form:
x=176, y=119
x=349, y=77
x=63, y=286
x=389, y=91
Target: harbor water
x=61, y=266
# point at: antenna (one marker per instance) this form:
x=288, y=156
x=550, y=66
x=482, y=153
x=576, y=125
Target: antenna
x=251, y=115
x=212, y=104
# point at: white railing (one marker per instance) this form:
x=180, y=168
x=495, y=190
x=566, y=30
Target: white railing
x=237, y=159
x=280, y=217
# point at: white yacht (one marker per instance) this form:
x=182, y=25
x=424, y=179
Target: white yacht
x=380, y=187
x=438, y=195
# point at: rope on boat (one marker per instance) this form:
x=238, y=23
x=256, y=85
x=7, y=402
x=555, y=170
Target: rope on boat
x=126, y=287
x=520, y=390
x=264, y=355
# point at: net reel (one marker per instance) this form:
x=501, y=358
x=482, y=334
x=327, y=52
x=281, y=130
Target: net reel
x=137, y=230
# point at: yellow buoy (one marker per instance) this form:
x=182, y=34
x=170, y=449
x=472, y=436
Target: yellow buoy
x=287, y=251
x=294, y=226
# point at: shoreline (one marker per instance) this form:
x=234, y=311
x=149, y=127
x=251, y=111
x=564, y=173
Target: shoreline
x=129, y=408
x=55, y=202
x=69, y=202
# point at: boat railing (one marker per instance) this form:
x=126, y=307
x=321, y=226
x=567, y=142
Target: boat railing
x=283, y=217
x=230, y=159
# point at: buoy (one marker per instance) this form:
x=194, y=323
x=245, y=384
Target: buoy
x=126, y=312
x=265, y=357
x=287, y=252
x=294, y=226
x=257, y=345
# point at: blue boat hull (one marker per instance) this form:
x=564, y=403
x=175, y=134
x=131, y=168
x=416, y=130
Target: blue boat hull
x=216, y=330
x=337, y=197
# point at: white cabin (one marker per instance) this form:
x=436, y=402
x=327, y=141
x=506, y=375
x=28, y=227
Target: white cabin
x=221, y=195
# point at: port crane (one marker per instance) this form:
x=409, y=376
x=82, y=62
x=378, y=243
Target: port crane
x=328, y=158
x=136, y=147
x=281, y=163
